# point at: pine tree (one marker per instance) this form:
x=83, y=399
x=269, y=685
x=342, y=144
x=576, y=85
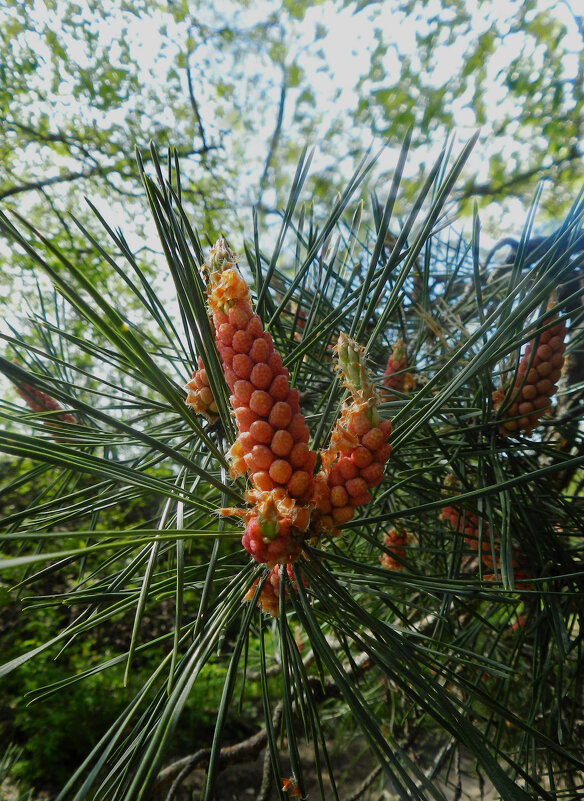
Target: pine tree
x=324, y=582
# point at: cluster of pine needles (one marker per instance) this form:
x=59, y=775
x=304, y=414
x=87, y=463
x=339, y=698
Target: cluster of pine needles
x=410, y=634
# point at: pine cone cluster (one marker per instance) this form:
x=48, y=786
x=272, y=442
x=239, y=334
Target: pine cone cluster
x=269, y=598
x=39, y=401
x=355, y=459
x=288, y=504
x=535, y=383
x=467, y=523
x=395, y=541
x=396, y=376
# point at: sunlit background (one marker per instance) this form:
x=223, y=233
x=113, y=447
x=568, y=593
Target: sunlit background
x=240, y=88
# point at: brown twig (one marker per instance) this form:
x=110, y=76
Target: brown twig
x=365, y=784
x=229, y=755
x=267, y=778
x=248, y=749
x=492, y=190
x=267, y=774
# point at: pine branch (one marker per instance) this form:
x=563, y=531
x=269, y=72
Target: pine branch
x=244, y=751
x=267, y=778
x=365, y=784
x=438, y=631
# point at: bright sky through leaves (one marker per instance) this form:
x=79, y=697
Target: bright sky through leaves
x=352, y=77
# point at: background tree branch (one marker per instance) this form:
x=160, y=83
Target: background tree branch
x=275, y=137
x=192, y=98
x=43, y=183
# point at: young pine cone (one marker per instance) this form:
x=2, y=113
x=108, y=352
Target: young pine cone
x=396, y=542
x=272, y=442
x=269, y=598
x=395, y=375
x=535, y=382
x=39, y=401
x=358, y=450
